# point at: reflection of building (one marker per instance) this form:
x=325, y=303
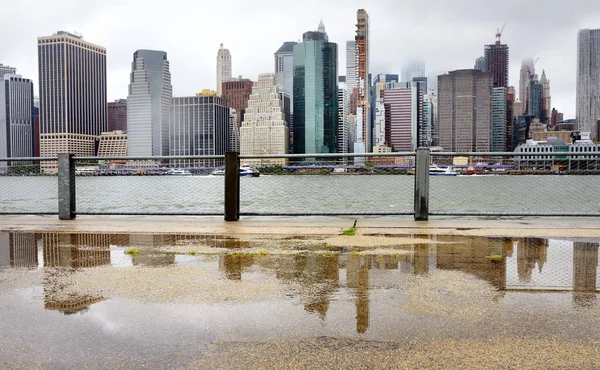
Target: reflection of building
x=75, y=250
x=233, y=264
x=149, y=256
x=18, y=250
x=531, y=251
x=357, y=276
x=585, y=266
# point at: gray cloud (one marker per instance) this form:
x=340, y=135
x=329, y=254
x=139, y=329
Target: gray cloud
x=446, y=34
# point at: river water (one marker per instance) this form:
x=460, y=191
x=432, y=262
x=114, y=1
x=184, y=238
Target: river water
x=307, y=194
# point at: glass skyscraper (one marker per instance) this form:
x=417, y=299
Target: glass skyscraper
x=315, y=94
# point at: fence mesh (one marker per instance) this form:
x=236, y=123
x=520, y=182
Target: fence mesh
x=508, y=185
x=28, y=187
x=309, y=186
x=178, y=187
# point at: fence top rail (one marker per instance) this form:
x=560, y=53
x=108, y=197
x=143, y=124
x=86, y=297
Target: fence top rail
x=15, y=159
x=327, y=155
x=514, y=154
x=148, y=158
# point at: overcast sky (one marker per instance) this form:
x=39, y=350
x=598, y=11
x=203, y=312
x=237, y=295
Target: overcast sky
x=446, y=34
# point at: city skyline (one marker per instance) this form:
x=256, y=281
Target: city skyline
x=193, y=68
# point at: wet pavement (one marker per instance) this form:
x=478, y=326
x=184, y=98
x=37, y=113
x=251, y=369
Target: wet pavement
x=374, y=300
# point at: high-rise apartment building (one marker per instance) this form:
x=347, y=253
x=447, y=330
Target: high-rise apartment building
x=526, y=74
x=362, y=79
x=343, y=129
x=200, y=125
x=73, y=112
x=236, y=93
x=588, y=80
x=17, y=137
x=499, y=96
x=117, y=115
x=284, y=69
x=496, y=56
x=315, y=94
x=404, y=116
x=148, y=104
x=264, y=130
x=465, y=110
x=223, y=68
x=351, y=67
x=6, y=70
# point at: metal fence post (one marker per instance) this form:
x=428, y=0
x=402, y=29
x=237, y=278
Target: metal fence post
x=232, y=186
x=66, y=187
x=422, y=185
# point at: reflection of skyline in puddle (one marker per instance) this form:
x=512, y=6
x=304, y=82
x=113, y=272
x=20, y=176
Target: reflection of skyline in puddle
x=514, y=264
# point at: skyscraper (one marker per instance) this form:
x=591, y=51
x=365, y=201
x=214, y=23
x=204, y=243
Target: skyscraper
x=364, y=85
x=343, y=129
x=351, y=67
x=481, y=64
x=526, y=74
x=496, y=56
x=536, y=101
x=264, y=130
x=588, y=80
x=17, y=137
x=315, y=94
x=284, y=68
x=223, y=68
x=117, y=115
x=403, y=116
x=200, y=125
x=498, y=119
x=410, y=70
x=465, y=110
x=546, y=99
x=148, y=104
x=378, y=108
x=72, y=75
x=236, y=93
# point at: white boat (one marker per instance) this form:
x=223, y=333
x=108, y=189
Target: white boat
x=245, y=171
x=178, y=172
x=438, y=171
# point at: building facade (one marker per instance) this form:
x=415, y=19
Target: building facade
x=72, y=75
x=480, y=64
x=284, y=69
x=465, y=110
x=362, y=78
x=264, y=130
x=343, y=129
x=526, y=74
x=200, y=125
x=112, y=144
x=148, y=104
x=17, y=136
x=499, y=120
x=497, y=58
x=546, y=99
x=588, y=80
x=117, y=115
x=536, y=98
x=315, y=94
x=403, y=116
x=6, y=70
x=223, y=68
x=236, y=93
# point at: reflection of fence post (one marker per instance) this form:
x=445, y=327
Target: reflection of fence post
x=422, y=185
x=232, y=186
x=66, y=187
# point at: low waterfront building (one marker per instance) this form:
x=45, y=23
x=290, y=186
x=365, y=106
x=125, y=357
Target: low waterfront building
x=587, y=160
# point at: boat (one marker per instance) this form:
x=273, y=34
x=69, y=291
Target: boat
x=438, y=171
x=245, y=171
x=178, y=172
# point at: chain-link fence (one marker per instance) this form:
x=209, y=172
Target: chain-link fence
x=27, y=186
x=509, y=184
x=342, y=185
x=153, y=186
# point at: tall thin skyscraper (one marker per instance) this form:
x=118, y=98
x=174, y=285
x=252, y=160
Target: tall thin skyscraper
x=223, y=68
x=73, y=101
x=588, y=80
x=465, y=110
x=526, y=74
x=148, y=104
x=546, y=99
x=498, y=119
x=284, y=68
x=351, y=67
x=264, y=130
x=364, y=86
x=315, y=94
x=17, y=137
x=496, y=56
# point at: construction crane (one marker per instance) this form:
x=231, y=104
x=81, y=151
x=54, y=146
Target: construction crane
x=499, y=33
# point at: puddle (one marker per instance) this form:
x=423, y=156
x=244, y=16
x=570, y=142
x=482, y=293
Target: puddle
x=217, y=301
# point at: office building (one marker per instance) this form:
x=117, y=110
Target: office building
x=403, y=116
x=72, y=75
x=117, y=115
x=588, y=80
x=200, y=125
x=378, y=107
x=499, y=123
x=17, y=136
x=284, y=69
x=112, y=144
x=362, y=79
x=526, y=74
x=536, y=99
x=6, y=70
x=236, y=93
x=465, y=110
x=510, y=116
x=351, y=67
x=315, y=94
x=343, y=128
x=148, y=104
x=223, y=68
x=497, y=58
x=264, y=130
x=480, y=64
x=546, y=99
